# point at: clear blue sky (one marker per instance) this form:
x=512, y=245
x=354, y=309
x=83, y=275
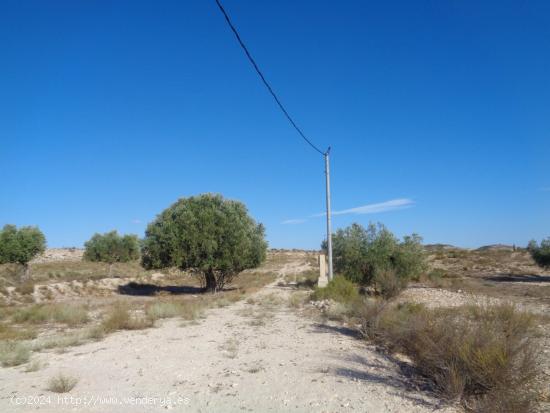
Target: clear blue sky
x=111, y=111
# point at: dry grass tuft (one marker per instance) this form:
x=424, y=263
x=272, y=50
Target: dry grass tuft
x=69, y=314
x=256, y=368
x=33, y=366
x=187, y=309
x=121, y=317
x=163, y=309
x=61, y=383
x=297, y=299
x=9, y=332
x=13, y=353
x=269, y=301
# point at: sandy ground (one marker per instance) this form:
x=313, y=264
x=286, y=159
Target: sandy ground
x=222, y=363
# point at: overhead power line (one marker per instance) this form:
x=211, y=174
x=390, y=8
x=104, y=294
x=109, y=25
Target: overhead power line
x=325, y=154
x=265, y=82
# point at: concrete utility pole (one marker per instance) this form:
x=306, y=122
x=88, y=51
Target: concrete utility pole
x=329, y=225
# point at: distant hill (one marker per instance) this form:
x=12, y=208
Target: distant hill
x=440, y=247
x=59, y=254
x=496, y=247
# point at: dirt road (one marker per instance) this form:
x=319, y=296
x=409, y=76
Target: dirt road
x=254, y=355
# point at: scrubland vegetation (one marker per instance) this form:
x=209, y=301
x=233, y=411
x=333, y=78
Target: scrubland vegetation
x=206, y=235
x=485, y=356
x=540, y=253
x=374, y=257
x=111, y=247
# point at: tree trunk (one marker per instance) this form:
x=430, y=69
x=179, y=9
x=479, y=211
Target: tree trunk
x=27, y=273
x=211, y=284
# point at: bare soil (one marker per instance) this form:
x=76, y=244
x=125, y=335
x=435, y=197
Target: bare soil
x=255, y=355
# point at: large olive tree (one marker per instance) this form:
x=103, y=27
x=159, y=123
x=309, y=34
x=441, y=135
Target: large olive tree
x=214, y=237
x=20, y=245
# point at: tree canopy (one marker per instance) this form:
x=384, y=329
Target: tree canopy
x=212, y=236
x=112, y=247
x=360, y=253
x=540, y=253
x=20, y=245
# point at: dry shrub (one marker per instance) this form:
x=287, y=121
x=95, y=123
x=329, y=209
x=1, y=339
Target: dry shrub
x=187, y=309
x=33, y=366
x=8, y=332
x=163, y=309
x=191, y=310
x=338, y=311
x=298, y=299
x=388, y=283
x=74, y=338
x=61, y=383
x=71, y=315
x=13, y=353
x=121, y=317
x=483, y=355
x=270, y=301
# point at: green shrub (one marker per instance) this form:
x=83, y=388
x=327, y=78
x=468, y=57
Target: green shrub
x=360, y=254
x=111, y=247
x=20, y=245
x=208, y=234
x=540, y=253
x=483, y=355
x=338, y=289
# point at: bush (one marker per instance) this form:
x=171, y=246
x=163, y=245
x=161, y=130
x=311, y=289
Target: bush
x=20, y=245
x=121, y=317
x=13, y=353
x=360, y=254
x=483, y=355
x=338, y=289
x=388, y=284
x=212, y=236
x=111, y=247
x=61, y=383
x=541, y=254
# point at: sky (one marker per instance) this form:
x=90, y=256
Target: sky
x=437, y=112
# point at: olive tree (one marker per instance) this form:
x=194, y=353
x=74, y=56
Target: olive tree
x=540, y=253
x=21, y=245
x=112, y=247
x=373, y=255
x=213, y=237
